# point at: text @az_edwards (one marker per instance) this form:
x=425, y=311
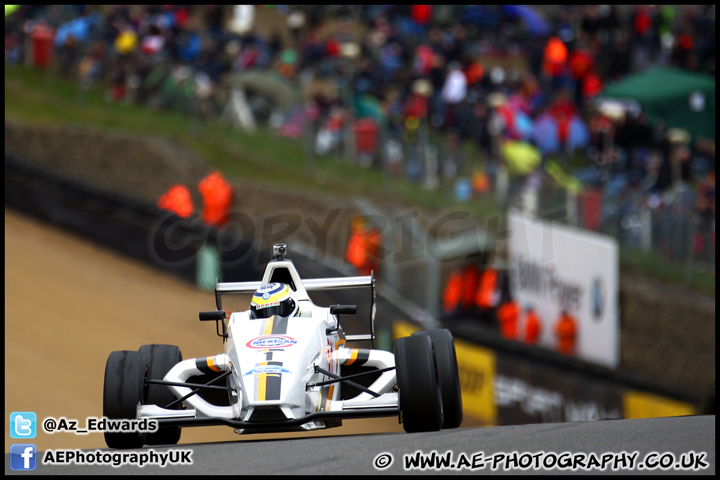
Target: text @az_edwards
x=95, y=424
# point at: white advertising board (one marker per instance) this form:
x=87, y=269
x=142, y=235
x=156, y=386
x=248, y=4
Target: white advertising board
x=552, y=267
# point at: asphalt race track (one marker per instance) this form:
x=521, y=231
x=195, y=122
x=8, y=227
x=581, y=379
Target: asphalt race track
x=69, y=303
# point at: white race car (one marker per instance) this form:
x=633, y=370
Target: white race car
x=284, y=364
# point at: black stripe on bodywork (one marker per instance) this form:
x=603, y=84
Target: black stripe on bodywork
x=362, y=357
x=273, y=381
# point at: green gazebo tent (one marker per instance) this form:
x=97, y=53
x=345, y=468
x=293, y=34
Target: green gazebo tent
x=683, y=99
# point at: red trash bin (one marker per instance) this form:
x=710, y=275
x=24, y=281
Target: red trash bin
x=42, y=43
x=366, y=136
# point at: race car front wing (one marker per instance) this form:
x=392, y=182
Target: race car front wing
x=369, y=403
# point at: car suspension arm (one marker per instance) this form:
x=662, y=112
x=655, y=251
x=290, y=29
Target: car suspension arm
x=338, y=378
x=197, y=387
x=190, y=385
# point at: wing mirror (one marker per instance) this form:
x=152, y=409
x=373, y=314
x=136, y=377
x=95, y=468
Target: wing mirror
x=343, y=309
x=219, y=317
x=213, y=315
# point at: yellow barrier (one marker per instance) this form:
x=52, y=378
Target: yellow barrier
x=647, y=405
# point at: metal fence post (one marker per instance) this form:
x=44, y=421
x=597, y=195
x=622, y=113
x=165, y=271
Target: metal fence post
x=646, y=230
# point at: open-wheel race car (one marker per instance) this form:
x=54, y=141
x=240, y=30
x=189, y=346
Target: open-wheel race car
x=286, y=367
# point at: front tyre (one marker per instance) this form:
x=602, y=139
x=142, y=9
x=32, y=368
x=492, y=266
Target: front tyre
x=161, y=358
x=124, y=389
x=419, y=397
x=448, y=372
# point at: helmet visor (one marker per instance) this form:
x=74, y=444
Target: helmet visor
x=282, y=309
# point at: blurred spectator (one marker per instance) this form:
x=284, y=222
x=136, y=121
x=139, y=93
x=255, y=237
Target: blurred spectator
x=217, y=198
x=533, y=327
x=177, y=200
x=566, y=334
x=470, y=281
x=422, y=14
x=555, y=57
x=508, y=315
x=363, y=248
x=452, y=295
x=487, y=295
x=582, y=64
x=453, y=92
x=295, y=23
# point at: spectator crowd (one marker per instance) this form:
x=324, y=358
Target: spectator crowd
x=475, y=75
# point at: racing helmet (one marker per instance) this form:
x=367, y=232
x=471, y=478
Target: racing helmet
x=273, y=299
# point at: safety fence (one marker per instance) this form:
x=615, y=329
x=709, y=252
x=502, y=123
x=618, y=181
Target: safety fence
x=667, y=227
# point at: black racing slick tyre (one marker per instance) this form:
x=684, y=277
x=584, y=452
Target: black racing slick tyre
x=448, y=372
x=124, y=389
x=161, y=358
x=418, y=385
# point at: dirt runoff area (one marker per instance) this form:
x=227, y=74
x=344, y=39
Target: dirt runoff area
x=69, y=303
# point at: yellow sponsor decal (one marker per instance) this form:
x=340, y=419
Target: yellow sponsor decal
x=269, y=325
x=353, y=356
x=647, y=405
x=211, y=364
x=476, y=369
x=261, y=385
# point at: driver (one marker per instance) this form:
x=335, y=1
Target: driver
x=274, y=299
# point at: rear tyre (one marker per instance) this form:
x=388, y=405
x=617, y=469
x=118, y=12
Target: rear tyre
x=161, y=359
x=448, y=372
x=123, y=390
x=418, y=385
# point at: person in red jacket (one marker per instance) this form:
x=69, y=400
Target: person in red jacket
x=452, y=294
x=533, y=327
x=566, y=333
x=487, y=295
x=470, y=281
x=177, y=200
x=363, y=248
x=355, y=252
x=217, y=198
x=507, y=315
x=373, y=244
